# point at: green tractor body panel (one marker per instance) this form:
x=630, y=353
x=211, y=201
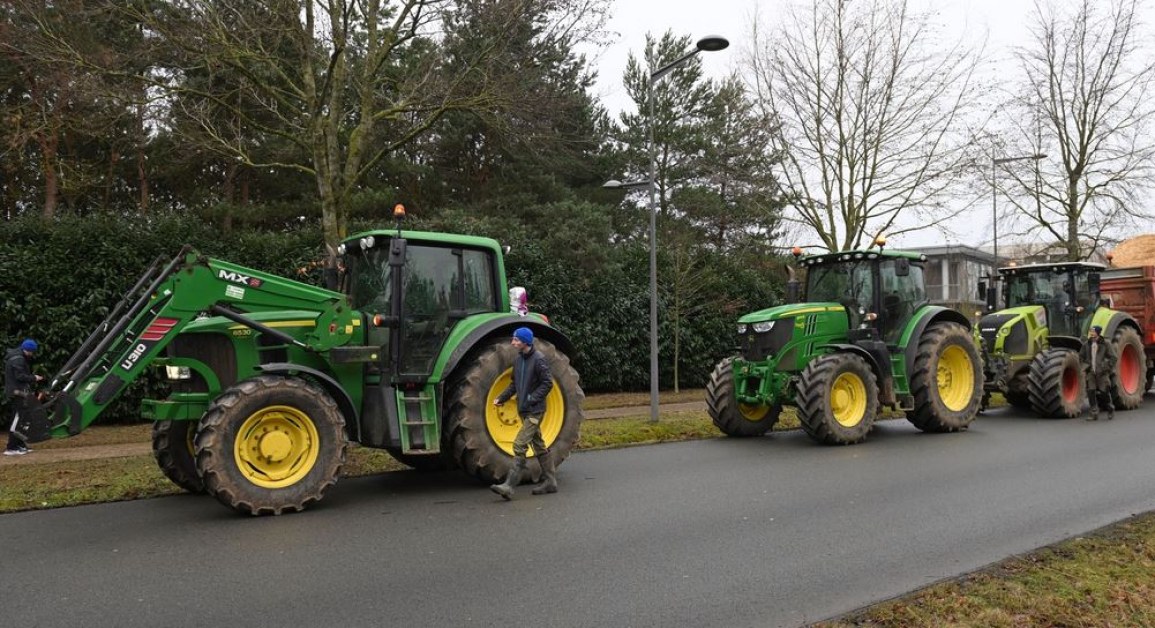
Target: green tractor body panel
x=1048, y=309
x=869, y=306
x=386, y=355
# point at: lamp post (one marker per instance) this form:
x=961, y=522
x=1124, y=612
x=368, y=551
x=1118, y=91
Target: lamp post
x=709, y=43
x=995, y=162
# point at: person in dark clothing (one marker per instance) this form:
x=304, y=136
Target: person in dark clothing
x=1098, y=360
x=18, y=382
x=531, y=383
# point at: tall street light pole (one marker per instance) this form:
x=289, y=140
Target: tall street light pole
x=995, y=198
x=710, y=43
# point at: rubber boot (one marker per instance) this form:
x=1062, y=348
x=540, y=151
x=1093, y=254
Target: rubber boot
x=548, y=483
x=505, y=489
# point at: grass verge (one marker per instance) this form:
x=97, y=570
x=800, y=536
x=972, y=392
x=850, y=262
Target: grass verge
x=1106, y=579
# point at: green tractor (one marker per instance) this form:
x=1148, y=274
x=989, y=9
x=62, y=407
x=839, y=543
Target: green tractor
x=864, y=338
x=1031, y=347
x=269, y=379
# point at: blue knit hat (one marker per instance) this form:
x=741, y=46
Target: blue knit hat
x=524, y=334
x=1097, y=329
x=29, y=345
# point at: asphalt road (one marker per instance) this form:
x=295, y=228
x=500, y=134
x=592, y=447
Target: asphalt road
x=773, y=531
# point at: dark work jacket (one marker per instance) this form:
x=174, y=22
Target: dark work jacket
x=18, y=377
x=1104, y=367
x=531, y=383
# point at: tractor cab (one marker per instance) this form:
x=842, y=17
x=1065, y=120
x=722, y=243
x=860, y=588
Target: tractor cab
x=415, y=289
x=1067, y=292
x=881, y=291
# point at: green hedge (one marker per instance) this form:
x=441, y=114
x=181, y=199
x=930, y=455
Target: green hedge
x=59, y=279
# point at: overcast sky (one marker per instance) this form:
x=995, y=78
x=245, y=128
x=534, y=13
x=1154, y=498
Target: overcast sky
x=998, y=25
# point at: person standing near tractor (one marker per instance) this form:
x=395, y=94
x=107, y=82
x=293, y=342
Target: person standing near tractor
x=18, y=381
x=531, y=383
x=1098, y=360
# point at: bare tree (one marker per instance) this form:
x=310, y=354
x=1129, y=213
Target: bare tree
x=1089, y=79
x=870, y=116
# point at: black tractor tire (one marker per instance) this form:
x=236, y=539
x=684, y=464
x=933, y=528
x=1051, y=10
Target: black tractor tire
x=1130, y=365
x=837, y=399
x=474, y=446
x=1019, y=399
x=946, y=379
x=270, y=445
x=172, y=447
x=1018, y=392
x=1057, y=387
x=729, y=415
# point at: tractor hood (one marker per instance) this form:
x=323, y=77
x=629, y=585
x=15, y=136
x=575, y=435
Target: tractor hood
x=790, y=310
x=1007, y=330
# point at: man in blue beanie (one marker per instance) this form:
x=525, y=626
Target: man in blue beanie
x=531, y=383
x=18, y=382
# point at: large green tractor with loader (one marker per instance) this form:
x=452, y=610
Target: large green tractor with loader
x=269, y=379
x=1031, y=346
x=864, y=338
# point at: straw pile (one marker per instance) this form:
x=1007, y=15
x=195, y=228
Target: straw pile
x=1137, y=251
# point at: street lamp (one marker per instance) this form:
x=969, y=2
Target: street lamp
x=710, y=43
x=995, y=199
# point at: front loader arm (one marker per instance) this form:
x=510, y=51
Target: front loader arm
x=158, y=307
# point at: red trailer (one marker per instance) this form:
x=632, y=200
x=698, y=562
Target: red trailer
x=1132, y=290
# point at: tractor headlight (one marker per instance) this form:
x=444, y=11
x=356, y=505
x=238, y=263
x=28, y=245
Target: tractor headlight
x=177, y=373
x=763, y=327
x=368, y=243
x=742, y=328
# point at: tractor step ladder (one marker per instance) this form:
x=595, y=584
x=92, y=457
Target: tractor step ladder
x=418, y=414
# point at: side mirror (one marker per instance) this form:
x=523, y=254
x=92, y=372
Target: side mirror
x=982, y=291
x=1093, y=280
x=397, y=247
x=902, y=267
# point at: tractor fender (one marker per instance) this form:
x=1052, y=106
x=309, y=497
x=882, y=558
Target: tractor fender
x=1117, y=320
x=504, y=326
x=859, y=351
x=1065, y=342
x=335, y=390
x=930, y=314
x=881, y=371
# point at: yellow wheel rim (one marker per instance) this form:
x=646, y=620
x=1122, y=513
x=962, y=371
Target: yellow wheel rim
x=753, y=413
x=277, y=446
x=956, y=378
x=503, y=422
x=848, y=399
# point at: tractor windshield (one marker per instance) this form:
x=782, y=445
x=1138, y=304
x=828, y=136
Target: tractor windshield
x=849, y=283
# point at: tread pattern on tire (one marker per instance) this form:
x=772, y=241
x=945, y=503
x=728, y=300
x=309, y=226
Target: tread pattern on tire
x=813, y=397
x=722, y=405
x=930, y=414
x=171, y=452
x=470, y=444
x=216, y=461
x=1045, y=385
